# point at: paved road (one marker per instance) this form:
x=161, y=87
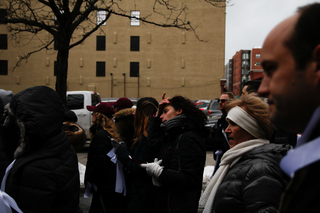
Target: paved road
x=82, y=158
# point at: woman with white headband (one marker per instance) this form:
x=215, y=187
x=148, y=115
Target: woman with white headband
x=249, y=178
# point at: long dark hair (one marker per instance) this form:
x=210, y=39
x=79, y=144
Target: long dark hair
x=145, y=107
x=189, y=109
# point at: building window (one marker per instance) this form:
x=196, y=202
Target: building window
x=257, y=55
x=3, y=41
x=101, y=43
x=101, y=69
x=101, y=15
x=3, y=67
x=134, y=69
x=135, y=15
x=135, y=43
x=245, y=55
x=257, y=63
x=3, y=13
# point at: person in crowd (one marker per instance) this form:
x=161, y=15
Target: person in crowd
x=124, y=123
x=290, y=57
x=279, y=136
x=249, y=178
x=75, y=132
x=220, y=141
x=121, y=103
x=101, y=172
x=44, y=176
x=177, y=130
x=251, y=87
x=6, y=154
x=6, y=96
x=142, y=194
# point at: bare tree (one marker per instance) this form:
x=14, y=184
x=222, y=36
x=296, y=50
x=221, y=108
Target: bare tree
x=61, y=18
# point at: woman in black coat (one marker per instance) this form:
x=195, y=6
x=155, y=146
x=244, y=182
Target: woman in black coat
x=249, y=178
x=142, y=190
x=177, y=132
x=44, y=176
x=100, y=170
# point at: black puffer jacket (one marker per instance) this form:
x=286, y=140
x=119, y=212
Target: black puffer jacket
x=183, y=155
x=45, y=176
x=255, y=183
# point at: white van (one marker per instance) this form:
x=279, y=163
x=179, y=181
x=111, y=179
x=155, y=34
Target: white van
x=77, y=101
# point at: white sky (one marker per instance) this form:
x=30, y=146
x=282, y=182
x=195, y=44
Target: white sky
x=248, y=22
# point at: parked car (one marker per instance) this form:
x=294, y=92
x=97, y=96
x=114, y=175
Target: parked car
x=77, y=101
x=202, y=104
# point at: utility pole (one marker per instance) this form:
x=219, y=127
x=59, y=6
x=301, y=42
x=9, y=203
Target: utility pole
x=124, y=84
x=111, y=84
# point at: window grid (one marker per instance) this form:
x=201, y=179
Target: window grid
x=101, y=43
x=135, y=43
x=101, y=69
x=101, y=15
x=134, y=69
x=3, y=41
x=3, y=67
x=135, y=15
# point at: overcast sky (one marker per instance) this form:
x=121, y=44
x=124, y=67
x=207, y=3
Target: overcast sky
x=248, y=22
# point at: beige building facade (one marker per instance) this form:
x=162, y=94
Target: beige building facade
x=124, y=60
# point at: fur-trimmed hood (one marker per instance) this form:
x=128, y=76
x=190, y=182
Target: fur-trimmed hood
x=124, y=122
x=123, y=114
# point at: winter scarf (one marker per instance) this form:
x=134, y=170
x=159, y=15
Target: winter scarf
x=230, y=158
x=177, y=121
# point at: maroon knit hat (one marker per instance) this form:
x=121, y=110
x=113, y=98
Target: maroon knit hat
x=122, y=103
x=102, y=107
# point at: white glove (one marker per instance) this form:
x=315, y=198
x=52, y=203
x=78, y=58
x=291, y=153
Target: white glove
x=153, y=169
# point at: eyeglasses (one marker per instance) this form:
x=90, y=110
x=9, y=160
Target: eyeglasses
x=222, y=100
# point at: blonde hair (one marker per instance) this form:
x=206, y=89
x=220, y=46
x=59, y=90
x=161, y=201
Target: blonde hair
x=257, y=108
x=107, y=124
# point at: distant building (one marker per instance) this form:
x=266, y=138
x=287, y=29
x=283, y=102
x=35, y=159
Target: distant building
x=245, y=65
x=256, y=71
x=127, y=57
x=228, y=74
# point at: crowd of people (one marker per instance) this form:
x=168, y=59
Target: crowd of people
x=151, y=158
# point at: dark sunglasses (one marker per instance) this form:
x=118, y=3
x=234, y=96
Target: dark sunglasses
x=222, y=100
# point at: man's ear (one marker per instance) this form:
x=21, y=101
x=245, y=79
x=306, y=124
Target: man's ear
x=179, y=111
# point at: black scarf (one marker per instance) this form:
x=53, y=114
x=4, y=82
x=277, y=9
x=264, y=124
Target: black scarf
x=175, y=122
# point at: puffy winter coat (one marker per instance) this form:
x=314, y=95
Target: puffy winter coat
x=255, y=183
x=45, y=176
x=183, y=155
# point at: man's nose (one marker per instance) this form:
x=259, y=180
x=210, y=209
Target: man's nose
x=263, y=90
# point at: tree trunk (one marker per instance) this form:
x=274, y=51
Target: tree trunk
x=62, y=73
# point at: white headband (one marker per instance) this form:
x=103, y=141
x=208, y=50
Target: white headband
x=246, y=122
